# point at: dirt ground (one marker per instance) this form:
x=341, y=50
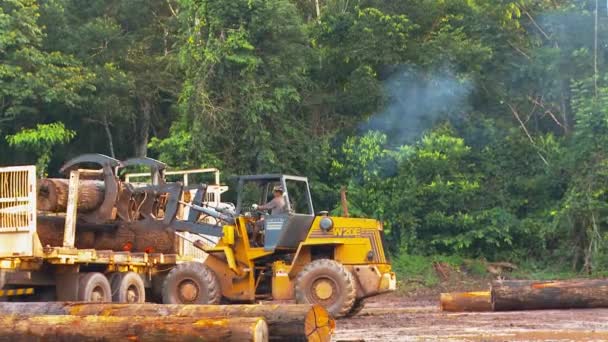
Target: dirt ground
x=393, y=318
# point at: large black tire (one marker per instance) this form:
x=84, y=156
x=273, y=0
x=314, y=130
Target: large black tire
x=328, y=283
x=357, y=307
x=94, y=287
x=127, y=288
x=191, y=283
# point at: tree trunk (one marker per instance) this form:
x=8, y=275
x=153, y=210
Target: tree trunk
x=106, y=126
x=466, y=301
x=53, y=194
x=285, y=322
x=344, y=202
x=539, y=295
x=96, y=328
x=143, y=127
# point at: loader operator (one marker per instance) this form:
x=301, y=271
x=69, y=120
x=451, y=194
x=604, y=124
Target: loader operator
x=277, y=206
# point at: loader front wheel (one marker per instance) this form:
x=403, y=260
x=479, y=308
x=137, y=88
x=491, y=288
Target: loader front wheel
x=191, y=283
x=328, y=283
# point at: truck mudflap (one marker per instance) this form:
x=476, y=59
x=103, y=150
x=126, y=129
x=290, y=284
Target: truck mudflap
x=373, y=279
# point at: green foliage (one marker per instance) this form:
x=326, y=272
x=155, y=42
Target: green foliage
x=415, y=267
x=506, y=160
x=415, y=270
x=41, y=141
x=30, y=78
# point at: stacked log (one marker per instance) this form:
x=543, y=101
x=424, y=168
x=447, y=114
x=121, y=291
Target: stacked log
x=53, y=195
x=285, y=322
x=139, y=328
x=466, y=301
x=538, y=295
x=121, y=236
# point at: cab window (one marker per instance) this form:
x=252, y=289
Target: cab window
x=252, y=193
x=298, y=197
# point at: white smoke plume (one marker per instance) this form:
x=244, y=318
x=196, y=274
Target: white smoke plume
x=415, y=100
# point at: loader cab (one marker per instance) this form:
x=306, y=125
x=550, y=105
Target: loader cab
x=284, y=231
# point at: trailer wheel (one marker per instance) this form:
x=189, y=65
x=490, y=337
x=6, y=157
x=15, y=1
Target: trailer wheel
x=94, y=287
x=328, y=283
x=191, y=283
x=127, y=288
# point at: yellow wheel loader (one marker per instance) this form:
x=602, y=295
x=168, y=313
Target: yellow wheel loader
x=337, y=262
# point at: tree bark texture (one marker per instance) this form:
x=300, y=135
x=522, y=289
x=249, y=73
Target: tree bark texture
x=287, y=322
x=538, y=295
x=466, y=301
x=53, y=195
x=135, y=328
x=126, y=236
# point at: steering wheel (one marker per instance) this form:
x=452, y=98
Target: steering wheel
x=257, y=212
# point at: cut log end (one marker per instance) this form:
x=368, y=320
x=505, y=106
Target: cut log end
x=260, y=331
x=318, y=325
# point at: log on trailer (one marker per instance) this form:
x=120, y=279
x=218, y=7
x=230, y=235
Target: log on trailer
x=53, y=194
x=285, y=322
x=466, y=301
x=538, y=295
x=120, y=236
x=136, y=328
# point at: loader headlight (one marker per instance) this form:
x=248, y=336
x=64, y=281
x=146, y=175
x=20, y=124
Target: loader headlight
x=326, y=224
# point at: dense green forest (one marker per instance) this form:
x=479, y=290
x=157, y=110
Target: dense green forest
x=476, y=128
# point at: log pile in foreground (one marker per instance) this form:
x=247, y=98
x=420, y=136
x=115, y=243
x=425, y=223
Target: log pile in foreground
x=285, y=322
x=137, y=328
x=507, y=295
x=466, y=301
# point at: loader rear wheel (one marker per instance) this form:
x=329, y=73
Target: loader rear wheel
x=191, y=283
x=127, y=288
x=328, y=283
x=94, y=287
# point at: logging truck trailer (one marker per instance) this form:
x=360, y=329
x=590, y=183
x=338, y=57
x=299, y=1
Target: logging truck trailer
x=28, y=267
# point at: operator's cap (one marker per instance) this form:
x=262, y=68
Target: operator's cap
x=278, y=188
